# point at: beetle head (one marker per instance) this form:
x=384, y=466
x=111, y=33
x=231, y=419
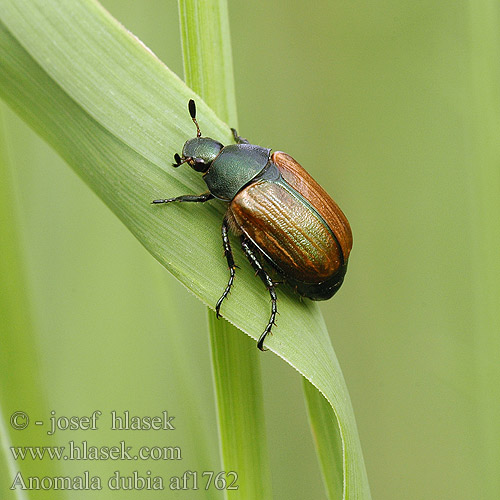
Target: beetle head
x=199, y=152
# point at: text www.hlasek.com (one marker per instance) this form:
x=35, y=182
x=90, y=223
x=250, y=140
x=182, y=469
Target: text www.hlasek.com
x=83, y=451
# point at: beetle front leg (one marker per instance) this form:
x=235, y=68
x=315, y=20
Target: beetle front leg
x=230, y=262
x=200, y=198
x=249, y=252
x=238, y=139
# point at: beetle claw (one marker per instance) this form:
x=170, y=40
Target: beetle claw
x=217, y=307
x=260, y=344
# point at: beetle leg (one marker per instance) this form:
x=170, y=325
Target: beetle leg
x=252, y=257
x=200, y=198
x=238, y=139
x=230, y=262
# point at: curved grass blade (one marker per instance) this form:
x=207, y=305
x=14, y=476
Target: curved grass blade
x=326, y=438
x=116, y=114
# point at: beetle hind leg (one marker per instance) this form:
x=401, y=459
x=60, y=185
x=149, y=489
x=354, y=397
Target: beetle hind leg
x=270, y=285
x=230, y=263
x=238, y=139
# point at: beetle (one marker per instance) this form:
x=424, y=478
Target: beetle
x=284, y=218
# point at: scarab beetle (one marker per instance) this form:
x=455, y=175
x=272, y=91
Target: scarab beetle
x=282, y=215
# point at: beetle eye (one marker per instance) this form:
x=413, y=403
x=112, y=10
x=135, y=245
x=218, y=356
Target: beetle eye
x=199, y=164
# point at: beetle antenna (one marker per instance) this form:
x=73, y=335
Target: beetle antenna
x=192, y=112
x=180, y=161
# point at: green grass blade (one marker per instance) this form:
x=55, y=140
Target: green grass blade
x=208, y=69
x=117, y=115
x=326, y=438
x=240, y=409
x=208, y=61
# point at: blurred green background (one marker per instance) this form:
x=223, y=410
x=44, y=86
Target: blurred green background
x=383, y=103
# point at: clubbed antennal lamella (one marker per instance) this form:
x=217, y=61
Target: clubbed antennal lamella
x=192, y=112
x=178, y=161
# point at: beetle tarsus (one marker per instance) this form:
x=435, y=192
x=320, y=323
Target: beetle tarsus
x=193, y=198
x=261, y=272
x=260, y=342
x=230, y=263
x=238, y=139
